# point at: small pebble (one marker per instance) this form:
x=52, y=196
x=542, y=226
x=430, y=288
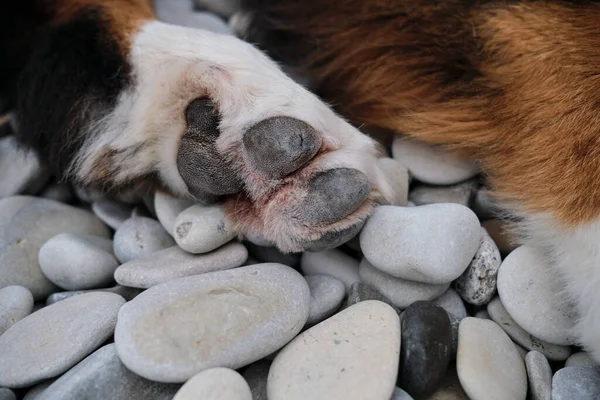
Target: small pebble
x=499, y=233
x=111, y=213
x=256, y=375
x=20, y=170
x=200, y=229
x=399, y=178
x=31, y=352
x=332, y=262
x=173, y=263
x=269, y=254
x=579, y=382
x=58, y=192
x=232, y=319
x=88, y=194
x=128, y=293
x=361, y=291
x=352, y=355
x=35, y=393
x=482, y=314
x=139, y=237
x=401, y=293
x=488, y=364
x=168, y=208
x=400, y=394
x=452, y=303
x=326, y=296
x=16, y=302
x=7, y=394
x=461, y=193
x=450, y=388
x=429, y=244
x=539, y=375
x=529, y=293
x=215, y=384
x=582, y=359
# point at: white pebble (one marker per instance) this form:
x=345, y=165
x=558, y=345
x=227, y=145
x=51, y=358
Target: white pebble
x=326, y=296
x=168, y=208
x=452, y=303
x=539, y=375
x=398, y=177
x=332, y=262
x=139, y=237
x=111, y=213
x=582, y=359
x=215, y=384
x=16, y=302
x=458, y=194
x=200, y=229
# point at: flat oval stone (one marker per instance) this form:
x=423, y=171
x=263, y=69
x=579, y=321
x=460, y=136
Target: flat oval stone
x=461, y=193
x=74, y=263
x=429, y=244
x=352, y=355
x=531, y=296
x=402, y=293
x=488, y=363
x=26, y=223
x=128, y=293
x=200, y=229
x=326, y=296
x=111, y=213
x=452, y=303
x=426, y=348
x=30, y=351
x=582, y=358
x=499, y=315
x=16, y=302
x=138, y=237
x=398, y=177
x=232, y=318
x=539, y=375
x=579, y=382
x=361, y=291
x=256, y=375
x=168, y=208
x=102, y=376
x=215, y=384
x=331, y=262
x=173, y=263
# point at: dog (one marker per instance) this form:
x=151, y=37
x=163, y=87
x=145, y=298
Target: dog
x=110, y=97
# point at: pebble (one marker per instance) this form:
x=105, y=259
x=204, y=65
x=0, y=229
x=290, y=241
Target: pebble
x=215, y=384
x=88, y=194
x=450, y=388
x=256, y=375
x=483, y=314
x=326, y=296
x=500, y=234
x=426, y=348
x=30, y=351
x=270, y=254
x=485, y=206
x=352, y=355
x=111, y=213
x=173, y=263
x=528, y=292
x=452, y=303
x=26, y=223
x=398, y=177
x=461, y=193
x=36, y=391
x=455, y=324
x=401, y=293
x=138, y=237
x=488, y=364
x=58, y=192
x=429, y=244
x=499, y=315
x=128, y=293
x=400, y=394
x=232, y=319
x=20, y=170
x=332, y=262
x=477, y=285
x=102, y=376
x=7, y=394
x=361, y=291
x=200, y=229
x=539, y=375
x=579, y=382
x=581, y=358
x=74, y=262
x=432, y=165
x=168, y=208
x=16, y=302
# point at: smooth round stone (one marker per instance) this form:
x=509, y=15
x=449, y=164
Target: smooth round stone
x=73, y=262
x=499, y=315
x=256, y=375
x=26, y=223
x=16, y=302
x=488, y=364
x=269, y=254
x=200, y=229
x=500, y=234
x=529, y=293
x=215, y=384
x=128, y=293
x=173, y=263
x=400, y=394
x=168, y=208
x=58, y=192
x=477, y=285
x=483, y=314
x=398, y=177
x=139, y=237
x=352, y=355
x=402, y=293
x=579, y=382
x=326, y=296
x=20, y=170
x=331, y=262
x=7, y=394
x=450, y=388
x=426, y=348
x=231, y=318
x=581, y=359
x=111, y=213
x=429, y=244
x=35, y=393
x=50, y=341
x=539, y=375
x=461, y=193
x=452, y=303
x=432, y=165
x=102, y=376
x=361, y=291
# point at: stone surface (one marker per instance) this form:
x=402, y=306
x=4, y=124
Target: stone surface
x=20, y=170
x=139, y=237
x=215, y=384
x=477, y=285
x=16, y=302
x=50, y=341
x=461, y=193
x=352, y=355
x=26, y=223
x=452, y=303
x=326, y=296
x=450, y=388
x=168, y=208
x=7, y=394
x=111, y=213
x=539, y=375
x=200, y=229
x=430, y=244
x=400, y=394
x=102, y=376
x=581, y=359
x=398, y=177
x=488, y=364
x=232, y=319
x=532, y=298
x=74, y=262
x=256, y=375
x=401, y=293
x=579, y=382
x=332, y=262
x=361, y=291
x=173, y=263
x=426, y=348
x=35, y=393
x=128, y=293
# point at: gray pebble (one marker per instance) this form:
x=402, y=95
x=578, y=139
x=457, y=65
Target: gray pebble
x=16, y=302
x=88, y=194
x=128, y=293
x=111, y=213
x=20, y=170
x=60, y=192
x=582, y=358
x=215, y=384
x=482, y=314
x=400, y=394
x=539, y=375
x=458, y=194
x=581, y=383
x=326, y=296
x=361, y=291
x=398, y=177
x=35, y=393
x=168, y=208
x=452, y=303
x=200, y=229
x=332, y=262
x=256, y=375
x=138, y=237
x=7, y=394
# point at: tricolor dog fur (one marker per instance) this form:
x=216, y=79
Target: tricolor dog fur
x=110, y=97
